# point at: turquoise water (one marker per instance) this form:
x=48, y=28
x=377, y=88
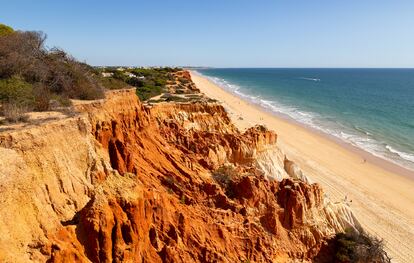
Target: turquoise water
x=372, y=109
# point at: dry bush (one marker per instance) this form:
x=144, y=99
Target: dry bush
x=226, y=175
x=74, y=79
x=42, y=97
x=15, y=113
x=353, y=246
x=23, y=55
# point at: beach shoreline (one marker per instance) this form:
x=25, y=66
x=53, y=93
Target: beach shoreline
x=365, y=155
x=380, y=191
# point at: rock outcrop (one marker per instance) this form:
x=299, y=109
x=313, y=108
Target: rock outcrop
x=182, y=83
x=120, y=182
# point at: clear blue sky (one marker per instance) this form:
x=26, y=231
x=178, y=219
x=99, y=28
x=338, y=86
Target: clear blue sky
x=224, y=33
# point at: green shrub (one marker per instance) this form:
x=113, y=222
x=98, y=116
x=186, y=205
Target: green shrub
x=353, y=246
x=120, y=75
x=20, y=93
x=17, y=91
x=5, y=30
x=136, y=82
x=153, y=84
x=225, y=175
x=147, y=92
x=177, y=99
x=61, y=100
x=160, y=82
x=113, y=83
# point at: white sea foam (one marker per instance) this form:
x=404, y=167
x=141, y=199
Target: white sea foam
x=404, y=155
x=356, y=136
x=312, y=79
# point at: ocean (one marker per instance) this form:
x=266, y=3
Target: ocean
x=372, y=109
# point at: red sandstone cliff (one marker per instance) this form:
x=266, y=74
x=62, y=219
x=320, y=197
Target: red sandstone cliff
x=173, y=183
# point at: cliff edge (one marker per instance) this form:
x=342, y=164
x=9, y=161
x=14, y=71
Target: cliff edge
x=172, y=182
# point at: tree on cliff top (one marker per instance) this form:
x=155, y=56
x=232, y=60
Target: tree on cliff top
x=5, y=30
x=27, y=65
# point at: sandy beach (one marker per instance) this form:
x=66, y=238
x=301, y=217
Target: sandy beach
x=380, y=194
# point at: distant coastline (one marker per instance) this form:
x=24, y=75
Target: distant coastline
x=355, y=138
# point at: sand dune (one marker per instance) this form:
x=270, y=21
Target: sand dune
x=380, y=194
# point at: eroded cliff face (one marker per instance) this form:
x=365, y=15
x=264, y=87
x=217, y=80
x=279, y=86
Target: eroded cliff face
x=171, y=183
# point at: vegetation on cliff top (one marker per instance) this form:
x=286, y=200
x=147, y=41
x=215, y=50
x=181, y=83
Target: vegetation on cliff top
x=149, y=82
x=5, y=30
x=31, y=75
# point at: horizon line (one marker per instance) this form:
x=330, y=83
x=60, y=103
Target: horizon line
x=303, y=67
x=213, y=67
